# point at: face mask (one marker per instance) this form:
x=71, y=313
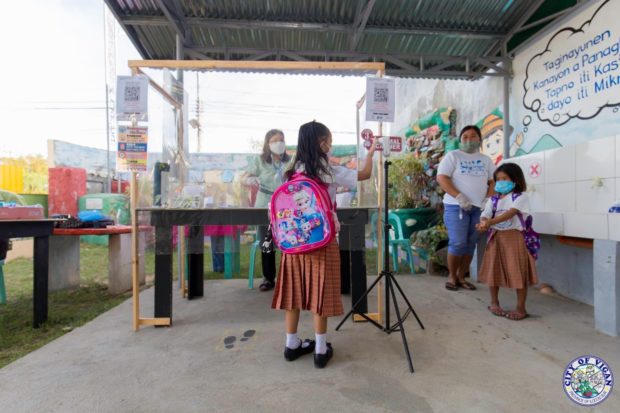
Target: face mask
x=328, y=153
x=470, y=147
x=277, y=148
x=504, y=187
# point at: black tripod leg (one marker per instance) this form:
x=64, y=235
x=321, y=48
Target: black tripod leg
x=362, y=298
x=388, y=287
x=402, y=329
x=402, y=293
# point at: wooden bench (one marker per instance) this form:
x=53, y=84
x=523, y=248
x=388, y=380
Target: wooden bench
x=64, y=257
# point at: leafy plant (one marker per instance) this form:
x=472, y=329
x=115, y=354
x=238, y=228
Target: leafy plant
x=429, y=239
x=410, y=185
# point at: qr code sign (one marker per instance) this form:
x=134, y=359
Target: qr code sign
x=132, y=93
x=381, y=95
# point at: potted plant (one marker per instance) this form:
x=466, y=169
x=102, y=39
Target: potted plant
x=412, y=191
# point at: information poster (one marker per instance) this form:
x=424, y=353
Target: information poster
x=131, y=155
x=380, y=99
x=132, y=97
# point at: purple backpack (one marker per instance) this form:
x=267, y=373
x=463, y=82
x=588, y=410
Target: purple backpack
x=531, y=237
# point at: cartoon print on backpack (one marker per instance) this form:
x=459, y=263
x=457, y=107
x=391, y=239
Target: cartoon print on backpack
x=303, y=215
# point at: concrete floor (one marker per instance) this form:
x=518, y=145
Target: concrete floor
x=466, y=360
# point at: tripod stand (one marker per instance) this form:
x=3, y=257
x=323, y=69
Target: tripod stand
x=390, y=282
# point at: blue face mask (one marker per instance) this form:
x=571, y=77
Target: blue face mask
x=504, y=187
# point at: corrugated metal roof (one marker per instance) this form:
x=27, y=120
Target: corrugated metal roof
x=409, y=35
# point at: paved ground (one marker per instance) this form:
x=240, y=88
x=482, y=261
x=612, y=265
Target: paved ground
x=466, y=360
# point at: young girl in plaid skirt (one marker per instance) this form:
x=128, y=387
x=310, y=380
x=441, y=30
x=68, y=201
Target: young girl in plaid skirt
x=507, y=261
x=311, y=281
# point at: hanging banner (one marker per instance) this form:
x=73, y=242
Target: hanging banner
x=380, y=99
x=131, y=97
x=132, y=155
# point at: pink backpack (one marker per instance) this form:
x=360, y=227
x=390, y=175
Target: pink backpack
x=302, y=215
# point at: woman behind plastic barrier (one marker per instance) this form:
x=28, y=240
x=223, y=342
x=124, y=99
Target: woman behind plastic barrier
x=265, y=173
x=466, y=176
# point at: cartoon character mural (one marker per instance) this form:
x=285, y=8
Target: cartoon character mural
x=492, y=129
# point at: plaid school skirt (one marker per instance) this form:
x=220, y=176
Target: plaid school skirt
x=310, y=282
x=507, y=262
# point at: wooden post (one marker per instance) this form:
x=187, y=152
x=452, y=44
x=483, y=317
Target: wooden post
x=181, y=259
x=378, y=315
x=133, y=191
x=135, y=254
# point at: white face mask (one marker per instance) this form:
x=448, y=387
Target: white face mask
x=277, y=148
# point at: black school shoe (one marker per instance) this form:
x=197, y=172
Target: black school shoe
x=293, y=354
x=266, y=285
x=320, y=360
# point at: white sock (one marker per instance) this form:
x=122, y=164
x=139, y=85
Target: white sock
x=321, y=343
x=292, y=341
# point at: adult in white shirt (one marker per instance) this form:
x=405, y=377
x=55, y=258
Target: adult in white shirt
x=466, y=176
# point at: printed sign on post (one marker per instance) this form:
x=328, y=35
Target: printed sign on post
x=396, y=142
x=132, y=149
x=131, y=97
x=380, y=99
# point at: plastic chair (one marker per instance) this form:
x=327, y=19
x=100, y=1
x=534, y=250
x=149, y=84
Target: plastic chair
x=253, y=251
x=2, y=288
x=397, y=240
x=232, y=260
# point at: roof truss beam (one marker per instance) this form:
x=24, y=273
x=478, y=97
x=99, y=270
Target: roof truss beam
x=524, y=18
x=239, y=24
x=344, y=54
x=130, y=31
x=409, y=65
x=545, y=19
x=360, y=23
x=173, y=19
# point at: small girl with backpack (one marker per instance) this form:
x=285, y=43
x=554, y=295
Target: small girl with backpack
x=510, y=256
x=309, y=275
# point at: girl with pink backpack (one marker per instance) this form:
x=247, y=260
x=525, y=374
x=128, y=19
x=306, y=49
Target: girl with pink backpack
x=304, y=225
x=512, y=248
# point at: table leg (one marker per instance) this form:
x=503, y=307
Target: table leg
x=358, y=267
x=41, y=277
x=163, y=272
x=195, y=283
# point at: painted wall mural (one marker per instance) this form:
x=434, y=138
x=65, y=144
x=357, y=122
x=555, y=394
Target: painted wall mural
x=492, y=129
x=566, y=87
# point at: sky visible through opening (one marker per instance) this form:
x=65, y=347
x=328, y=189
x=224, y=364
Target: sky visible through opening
x=54, y=88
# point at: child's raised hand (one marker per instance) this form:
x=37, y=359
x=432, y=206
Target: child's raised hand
x=373, y=146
